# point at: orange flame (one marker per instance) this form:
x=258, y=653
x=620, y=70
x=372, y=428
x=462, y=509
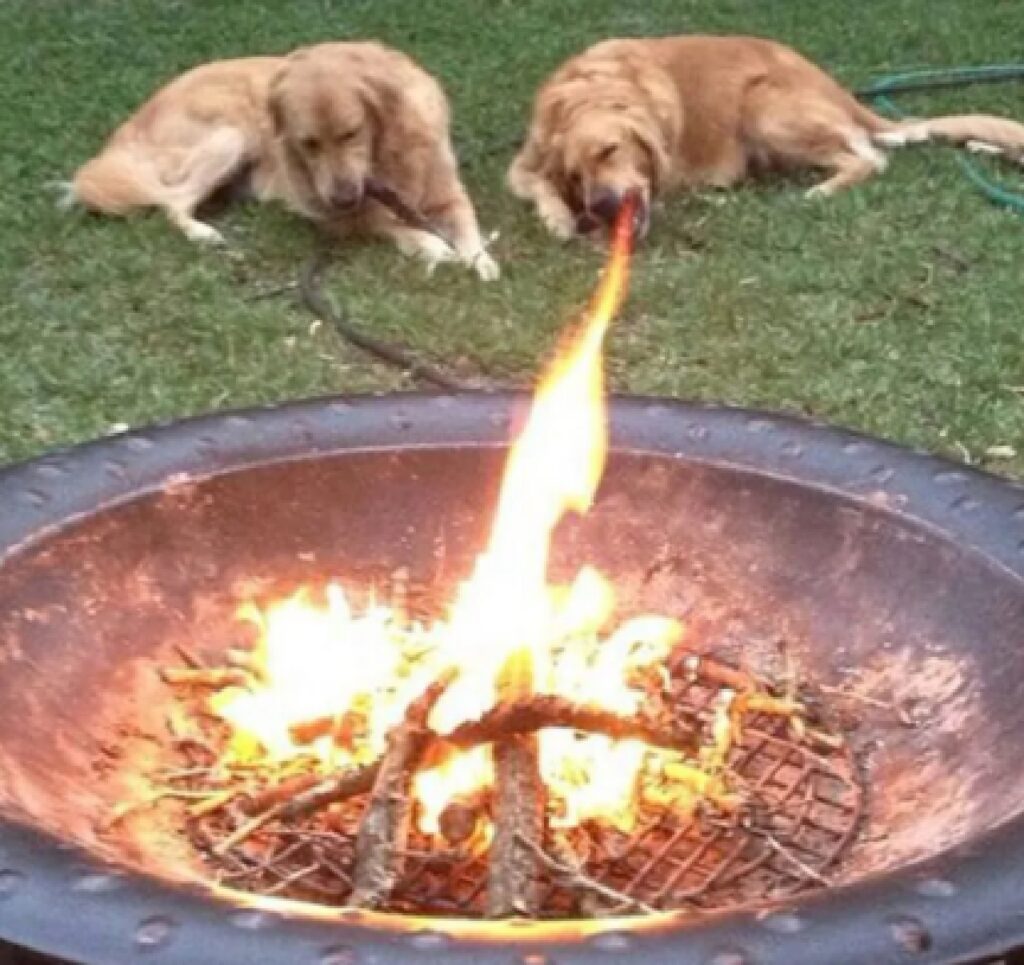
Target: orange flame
x=509, y=633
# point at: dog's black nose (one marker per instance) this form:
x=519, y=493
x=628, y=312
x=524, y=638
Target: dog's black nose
x=604, y=204
x=345, y=195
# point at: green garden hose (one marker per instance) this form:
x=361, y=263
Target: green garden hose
x=880, y=92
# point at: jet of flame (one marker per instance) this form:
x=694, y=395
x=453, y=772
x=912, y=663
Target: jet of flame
x=509, y=632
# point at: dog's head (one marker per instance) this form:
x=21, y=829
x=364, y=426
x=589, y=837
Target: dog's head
x=612, y=123
x=327, y=117
x=607, y=153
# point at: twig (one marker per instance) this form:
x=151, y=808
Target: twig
x=575, y=878
x=292, y=878
x=384, y=829
x=336, y=788
x=858, y=697
x=125, y=808
x=538, y=711
x=311, y=291
x=272, y=291
x=190, y=658
x=215, y=678
x=280, y=793
x=401, y=209
x=786, y=853
x=703, y=667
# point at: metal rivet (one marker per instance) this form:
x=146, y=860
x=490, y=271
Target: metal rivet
x=339, y=955
x=613, y=941
x=784, y=922
x=98, y=882
x=155, y=932
x=250, y=919
x=10, y=882
x=964, y=504
x=428, y=940
x=935, y=888
x=51, y=470
x=34, y=497
x=910, y=934
x=730, y=957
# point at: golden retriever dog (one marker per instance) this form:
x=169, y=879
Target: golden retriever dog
x=647, y=115
x=309, y=130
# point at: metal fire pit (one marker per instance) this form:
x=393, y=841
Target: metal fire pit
x=889, y=573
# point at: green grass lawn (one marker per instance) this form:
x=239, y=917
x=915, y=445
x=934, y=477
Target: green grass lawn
x=895, y=308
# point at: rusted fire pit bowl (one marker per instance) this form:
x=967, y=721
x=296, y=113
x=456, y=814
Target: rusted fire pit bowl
x=888, y=572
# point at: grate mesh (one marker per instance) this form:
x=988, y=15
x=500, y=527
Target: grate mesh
x=804, y=810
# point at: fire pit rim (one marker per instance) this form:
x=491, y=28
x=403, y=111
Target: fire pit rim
x=871, y=919
x=980, y=511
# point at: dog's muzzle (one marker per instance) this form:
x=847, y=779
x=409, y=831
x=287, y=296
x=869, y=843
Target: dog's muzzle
x=604, y=208
x=345, y=195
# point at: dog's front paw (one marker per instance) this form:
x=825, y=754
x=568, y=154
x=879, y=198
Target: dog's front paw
x=559, y=220
x=204, y=234
x=485, y=266
x=434, y=251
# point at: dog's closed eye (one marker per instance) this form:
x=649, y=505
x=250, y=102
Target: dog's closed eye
x=607, y=152
x=311, y=145
x=345, y=136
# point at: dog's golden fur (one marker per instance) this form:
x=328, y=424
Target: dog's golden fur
x=647, y=115
x=308, y=129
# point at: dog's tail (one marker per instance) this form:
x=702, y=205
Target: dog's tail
x=982, y=132
x=113, y=182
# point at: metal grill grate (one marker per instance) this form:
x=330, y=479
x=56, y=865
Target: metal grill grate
x=804, y=811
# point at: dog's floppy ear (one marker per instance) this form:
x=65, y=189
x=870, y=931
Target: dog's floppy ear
x=275, y=101
x=558, y=104
x=652, y=140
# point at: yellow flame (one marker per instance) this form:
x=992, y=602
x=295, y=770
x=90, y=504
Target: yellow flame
x=508, y=629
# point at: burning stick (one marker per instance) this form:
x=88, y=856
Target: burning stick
x=287, y=801
x=216, y=678
x=513, y=870
x=384, y=830
x=537, y=711
x=518, y=829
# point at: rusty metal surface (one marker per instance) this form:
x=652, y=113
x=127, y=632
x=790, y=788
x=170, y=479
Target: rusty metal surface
x=951, y=538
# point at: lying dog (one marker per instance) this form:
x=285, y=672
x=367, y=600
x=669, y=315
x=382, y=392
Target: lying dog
x=310, y=130
x=644, y=116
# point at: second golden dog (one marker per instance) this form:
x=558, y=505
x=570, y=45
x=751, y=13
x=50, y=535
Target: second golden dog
x=647, y=115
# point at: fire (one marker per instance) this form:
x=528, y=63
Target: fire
x=509, y=632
